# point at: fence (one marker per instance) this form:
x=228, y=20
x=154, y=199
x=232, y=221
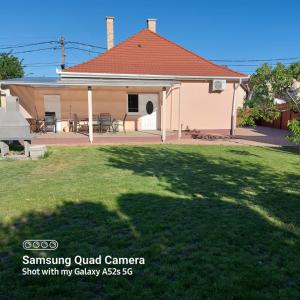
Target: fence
x=281, y=122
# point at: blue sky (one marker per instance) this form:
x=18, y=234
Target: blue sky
x=230, y=30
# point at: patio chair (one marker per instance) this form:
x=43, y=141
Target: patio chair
x=120, y=123
x=50, y=122
x=96, y=122
x=74, y=124
x=105, y=120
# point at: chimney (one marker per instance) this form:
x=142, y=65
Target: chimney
x=110, y=32
x=151, y=24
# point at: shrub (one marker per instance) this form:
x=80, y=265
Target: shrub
x=245, y=117
x=294, y=127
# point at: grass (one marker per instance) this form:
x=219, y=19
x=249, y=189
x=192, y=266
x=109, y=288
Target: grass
x=212, y=222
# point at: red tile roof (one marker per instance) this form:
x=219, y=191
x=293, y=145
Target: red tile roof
x=150, y=54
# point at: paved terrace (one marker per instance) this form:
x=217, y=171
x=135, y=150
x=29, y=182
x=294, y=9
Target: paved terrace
x=259, y=136
x=71, y=138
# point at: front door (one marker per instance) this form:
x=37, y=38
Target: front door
x=148, y=105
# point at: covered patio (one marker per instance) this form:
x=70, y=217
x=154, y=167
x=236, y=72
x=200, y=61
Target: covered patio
x=83, y=100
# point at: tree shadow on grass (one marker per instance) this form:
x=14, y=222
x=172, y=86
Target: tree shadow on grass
x=242, y=152
x=216, y=234
x=85, y=228
x=186, y=172
x=193, y=249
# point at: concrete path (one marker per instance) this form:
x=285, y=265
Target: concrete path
x=258, y=136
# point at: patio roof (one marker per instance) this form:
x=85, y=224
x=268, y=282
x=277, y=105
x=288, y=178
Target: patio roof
x=57, y=82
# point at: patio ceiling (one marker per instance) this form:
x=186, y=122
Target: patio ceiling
x=57, y=82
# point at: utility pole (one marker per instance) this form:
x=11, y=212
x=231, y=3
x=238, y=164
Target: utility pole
x=62, y=48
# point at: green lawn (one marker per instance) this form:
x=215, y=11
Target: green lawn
x=212, y=222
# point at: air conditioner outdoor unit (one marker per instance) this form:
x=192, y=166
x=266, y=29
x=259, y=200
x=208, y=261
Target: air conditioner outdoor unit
x=218, y=85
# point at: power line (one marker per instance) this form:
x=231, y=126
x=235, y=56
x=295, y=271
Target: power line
x=255, y=65
x=42, y=66
x=86, y=50
x=11, y=47
x=43, y=63
x=26, y=45
x=46, y=66
x=50, y=63
x=7, y=47
x=27, y=38
x=34, y=66
x=85, y=44
x=61, y=45
x=35, y=50
x=255, y=60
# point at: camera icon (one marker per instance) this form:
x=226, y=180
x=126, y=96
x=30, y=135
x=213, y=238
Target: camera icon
x=40, y=245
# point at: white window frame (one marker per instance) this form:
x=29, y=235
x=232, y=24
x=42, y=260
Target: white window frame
x=133, y=113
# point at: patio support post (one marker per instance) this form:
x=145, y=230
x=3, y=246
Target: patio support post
x=179, y=113
x=90, y=113
x=164, y=111
x=233, y=112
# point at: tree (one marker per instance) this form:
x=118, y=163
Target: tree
x=10, y=66
x=295, y=70
x=294, y=127
x=294, y=92
x=269, y=83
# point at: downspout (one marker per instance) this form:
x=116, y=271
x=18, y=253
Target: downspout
x=233, y=112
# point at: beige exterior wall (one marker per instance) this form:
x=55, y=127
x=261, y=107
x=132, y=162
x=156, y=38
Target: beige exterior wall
x=200, y=107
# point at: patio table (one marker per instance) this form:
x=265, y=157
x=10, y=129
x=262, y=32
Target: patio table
x=101, y=122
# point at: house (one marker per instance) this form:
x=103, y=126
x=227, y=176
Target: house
x=159, y=85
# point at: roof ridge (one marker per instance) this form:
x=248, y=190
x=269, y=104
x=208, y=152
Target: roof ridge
x=191, y=52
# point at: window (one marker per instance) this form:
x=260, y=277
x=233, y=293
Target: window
x=133, y=103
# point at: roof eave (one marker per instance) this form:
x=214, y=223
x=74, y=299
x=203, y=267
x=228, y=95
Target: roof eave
x=64, y=74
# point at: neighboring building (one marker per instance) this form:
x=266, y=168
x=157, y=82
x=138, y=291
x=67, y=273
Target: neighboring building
x=159, y=84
